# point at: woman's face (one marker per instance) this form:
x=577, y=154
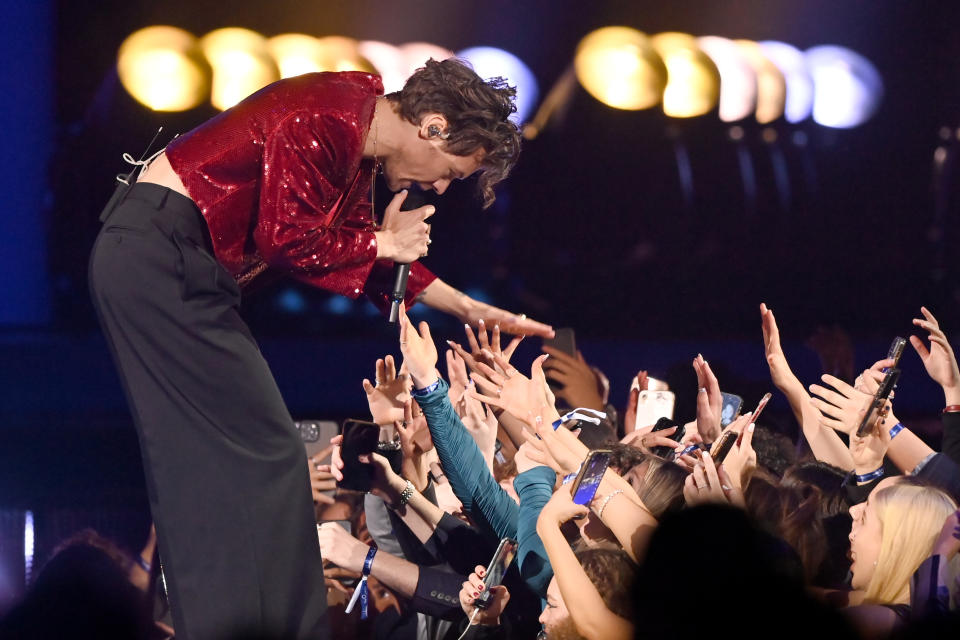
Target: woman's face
x=865, y=537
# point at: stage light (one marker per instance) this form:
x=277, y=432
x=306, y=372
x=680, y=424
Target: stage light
x=162, y=68
x=241, y=64
x=389, y=62
x=738, y=81
x=771, y=84
x=799, y=84
x=295, y=54
x=619, y=67
x=489, y=62
x=29, y=540
x=847, y=87
x=693, y=82
x=416, y=54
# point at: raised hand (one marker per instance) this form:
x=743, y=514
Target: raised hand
x=385, y=400
x=457, y=375
x=419, y=350
x=321, y=476
x=480, y=343
x=741, y=461
x=868, y=451
x=513, y=392
x=780, y=371
x=561, y=508
x=580, y=388
x=709, y=401
x=481, y=423
x=472, y=588
x=509, y=322
x=415, y=441
x=939, y=360
x=842, y=407
x=708, y=483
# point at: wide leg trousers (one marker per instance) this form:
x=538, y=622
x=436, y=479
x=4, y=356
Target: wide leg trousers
x=225, y=469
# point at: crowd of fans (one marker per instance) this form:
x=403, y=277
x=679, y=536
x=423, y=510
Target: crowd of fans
x=837, y=535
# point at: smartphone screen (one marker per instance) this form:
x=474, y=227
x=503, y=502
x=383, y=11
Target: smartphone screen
x=502, y=558
x=653, y=405
x=731, y=406
x=359, y=438
x=723, y=446
x=591, y=473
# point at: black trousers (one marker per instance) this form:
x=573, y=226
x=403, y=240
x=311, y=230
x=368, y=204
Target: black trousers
x=225, y=468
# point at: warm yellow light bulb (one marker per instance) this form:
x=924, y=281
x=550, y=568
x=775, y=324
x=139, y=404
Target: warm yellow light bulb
x=241, y=64
x=618, y=67
x=162, y=68
x=693, y=82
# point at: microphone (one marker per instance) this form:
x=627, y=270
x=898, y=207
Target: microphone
x=401, y=271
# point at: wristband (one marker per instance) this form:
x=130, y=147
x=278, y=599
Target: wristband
x=895, y=429
x=603, y=505
x=570, y=477
x=430, y=388
x=951, y=408
x=580, y=414
x=869, y=477
x=362, y=592
x=143, y=564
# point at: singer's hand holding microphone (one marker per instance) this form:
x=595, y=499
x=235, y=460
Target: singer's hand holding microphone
x=404, y=235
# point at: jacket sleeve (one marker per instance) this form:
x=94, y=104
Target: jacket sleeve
x=308, y=168
x=951, y=436
x=534, y=486
x=483, y=499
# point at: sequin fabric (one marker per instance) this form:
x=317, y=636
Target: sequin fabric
x=282, y=184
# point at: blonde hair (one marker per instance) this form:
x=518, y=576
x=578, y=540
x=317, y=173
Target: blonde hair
x=911, y=518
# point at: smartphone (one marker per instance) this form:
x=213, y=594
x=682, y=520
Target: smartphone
x=591, y=473
x=879, y=399
x=756, y=413
x=316, y=434
x=663, y=451
x=359, y=438
x=722, y=446
x=895, y=351
x=563, y=340
x=496, y=569
x=653, y=384
x=732, y=404
x=653, y=405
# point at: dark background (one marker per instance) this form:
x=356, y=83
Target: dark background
x=591, y=231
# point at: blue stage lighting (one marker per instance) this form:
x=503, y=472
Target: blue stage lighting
x=489, y=62
x=847, y=87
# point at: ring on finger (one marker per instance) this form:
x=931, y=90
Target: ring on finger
x=701, y=486
x=703, y=389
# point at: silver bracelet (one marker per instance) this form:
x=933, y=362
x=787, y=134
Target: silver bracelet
x=603, y=505
x=405, y=495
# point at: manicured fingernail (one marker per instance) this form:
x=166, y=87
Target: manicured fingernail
x=706, y=454
x=538, y=420
x=480, y=587
x=750, y=428
x=466, y=326
x=480, y=321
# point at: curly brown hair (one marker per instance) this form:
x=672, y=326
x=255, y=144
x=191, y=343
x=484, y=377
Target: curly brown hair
x=477, y=113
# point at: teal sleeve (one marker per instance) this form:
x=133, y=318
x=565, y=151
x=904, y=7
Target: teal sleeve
x=534, y=486
x=484, y=500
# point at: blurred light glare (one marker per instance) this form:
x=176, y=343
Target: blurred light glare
x=847, y=87
x=490, y=62
x=163, y=69
x=342, y=54
x=295, y=54
x=771, y=85
x=792, y=64
x=619, y=67
x=241, y=63
x=388, y=61
x=693, y=81
x=738, y=80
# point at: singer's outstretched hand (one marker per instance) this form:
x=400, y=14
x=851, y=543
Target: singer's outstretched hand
x=442, y=297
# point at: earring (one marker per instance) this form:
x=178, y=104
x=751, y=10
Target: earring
x=433, y=130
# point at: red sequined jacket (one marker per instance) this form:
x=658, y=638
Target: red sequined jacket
x=282, y=183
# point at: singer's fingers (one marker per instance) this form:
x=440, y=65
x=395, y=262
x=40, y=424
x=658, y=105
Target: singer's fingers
x=396, y=202
x=426, y=211
x=390, y=369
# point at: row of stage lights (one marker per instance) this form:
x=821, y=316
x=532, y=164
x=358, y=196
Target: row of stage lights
x=169, y=69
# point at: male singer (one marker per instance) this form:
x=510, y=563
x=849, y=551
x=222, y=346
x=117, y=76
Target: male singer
x=280, y=182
